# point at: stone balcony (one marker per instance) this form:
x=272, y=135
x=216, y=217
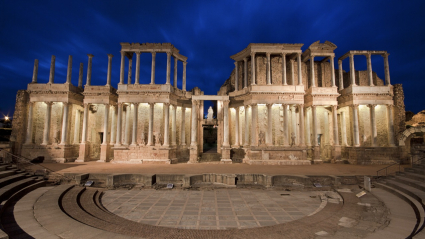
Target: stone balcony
x=363, y=95
x=321, y=96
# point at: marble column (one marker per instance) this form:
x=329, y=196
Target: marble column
x=64, y=123
x=127, y=125
x=356, y=132
x=341, y=75
x=253, y=68
x=166, y=125
x=85, y=122
x=122, y=67
x=237, y=126
x=150, y=133
x=246, y=141
x=183, y=126
x=47, y=119
x=254, y=117
x=77, y=127
x=245, y=72
x=108, y=77
x=333, y=71
x=284, y=81
x=292, y=71
x=226, y=123
x=269, y=132
x=387, y=69
x=175, y=72
x=114, y=119
x=308, y=128
x=134, y=133
x=300, y=76
x=369, y=68
x=173, y=125
x=184, y=76
x=343, y=129
x=236, y=76
x=153, y=68
x=80, y=76
x=352, y=70
x=130, y=68
x=35, y=71
x=390, y=125
x=194, y=127
x=312, y=76
x=168, y=68
x=269, y=80
x=294, y=123
x=314, y=114
x=119, y=126
x=374, y=135
x=28, y=139
x=69, y=70
x=88, y=81
x=137, y=76
x=105, y=124
x=285, y=125
x=335, y=124
x=301, y=113
x=52, y=70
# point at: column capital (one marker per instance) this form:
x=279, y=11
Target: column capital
x=269, y=105
x=90, y=55
x=355, y=105
x=339, y=62
x=110, y=55
x=65, y=103
x=245, y=59
x=119, y=104
x=196, y=102
x=246, y=106
x=136, y=104
x=292, y=60
x=268, y=54
x=371, y=105
x=385, y=55
x=166, y=104
x=184, y=63
x=153, y=53
x=48, y=102
x=301, y=105
x=368, y=54
x=168, y=54
x=236, y=63
x=226, y=102
x=253, y=104
x=334, y=107
x=252, y=54
x=283, y=54
x=138, y=53
x=151, y=104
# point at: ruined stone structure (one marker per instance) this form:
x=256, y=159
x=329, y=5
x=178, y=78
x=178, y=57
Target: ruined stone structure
x=280, y=106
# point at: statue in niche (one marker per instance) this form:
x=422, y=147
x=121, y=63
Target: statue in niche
x=261, y=138
x=158, y=139
x=57, y=137
x=210, y=113
x=293, y=139
x=143, y=139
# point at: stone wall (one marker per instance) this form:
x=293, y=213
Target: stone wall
x=399, y=111
x=20, y=123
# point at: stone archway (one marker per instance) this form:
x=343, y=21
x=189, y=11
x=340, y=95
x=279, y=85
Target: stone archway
x=416, y=151
x=408, y=133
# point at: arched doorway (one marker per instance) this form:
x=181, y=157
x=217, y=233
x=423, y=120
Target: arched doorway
x=413, y=139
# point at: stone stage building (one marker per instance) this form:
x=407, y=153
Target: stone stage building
x=280, y=106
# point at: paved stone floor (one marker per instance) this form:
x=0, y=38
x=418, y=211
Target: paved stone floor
x=215, y=209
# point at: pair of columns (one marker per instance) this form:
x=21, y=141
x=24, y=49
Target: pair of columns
x=313, y=126
x=312, y=74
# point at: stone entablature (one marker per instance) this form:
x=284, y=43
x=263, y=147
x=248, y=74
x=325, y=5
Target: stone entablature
x=363, y=95
x=54, y=92
x=321, y=96
x=153, y=47
x=100, y=95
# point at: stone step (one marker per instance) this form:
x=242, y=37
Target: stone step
x=411, y=182
x=12, y=178
x=415, y=170
x=10, y=189
x=7, y=173
x=414, y=176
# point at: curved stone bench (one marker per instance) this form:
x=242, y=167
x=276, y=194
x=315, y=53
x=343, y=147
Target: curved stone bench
x=10, y=189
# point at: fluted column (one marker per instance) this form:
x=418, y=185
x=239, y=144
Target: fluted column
x=335, y=124
x=85, y=121
x=387, y=69
x=122, y=67
x=28, y=139
x=254, y=117
x=302, y=134
x=183, y=130
x=173, y=125
x=52, y=70
x=184, y=76
x=236, y=76
x=374, y=135
x=294, y=123
x=253, y=68
x=108, y=77
x=69, y=70
x=312, y=76
x=166, y=124
x=390, y=125
x=150, y=133
x=341, y=75
x=369, y=68
x=246, y=141
x=80, y=76
x=226, y=123
x=356, y=132
x=269, y=80
x=88, y=81
x=77, y=127
x=285, y=125
x=194, y=127
x=153, y=68
x=130, y=68
x=352, y=70
x=292, y=71
x=269, y=132
x=46, y=132
x=35, y=71
x=175, y=72
x=333, y=71
x=168, y=67
x=300, y=76
x=64, y=123
x=127, y=125
x=114, y=121
x=284, y=80
x=105, y=124
x=119, y=126
x=237, y=127
x=137, y=76
x=343, y=129
x=308, y=127
x=134, y=133
x=314, y=114
x=245, y=72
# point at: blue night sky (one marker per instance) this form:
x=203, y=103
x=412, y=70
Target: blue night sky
x=208, y=33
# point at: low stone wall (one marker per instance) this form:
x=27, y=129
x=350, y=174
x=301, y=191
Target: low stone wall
x=372, y=155
x=277, y=156
x=51, y=153
x=150, y=155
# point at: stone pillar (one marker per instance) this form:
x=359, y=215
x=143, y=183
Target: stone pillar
x=175, y=72
x=284, y=81
x=122, y=67
x=173, y=125
x=374, y=134
x=183, y=126
x=108, y=77
x=137, y=76
x=166, y=124
x=80, y=76
x=69, y=71
x=246, y=141
x=64, y=123
x=85, y=121
x=134, y=133
x=269, y=132
x=150, y=133
x=312, y=76
x=292, y=71
x=35, y=72
x=333, y=71
x=168, y=67
x=294, y=123
x=127, y=125
x=387, y=69
x=355, y=126
x=301, y=112
x=114, y=121
x=254, y=116
x=285, y=125
x=269, y=80
x=308, y=128
x=237, y=127
x=153, y=68
x=300, y=76
x=119, y=127
x=88, y=81
x=341, y=75
x=335, y=124
x=77, y=127
x=46, y=132
x=28, y=139
x=343, y=129
x=130, y=68
x=369, y=69
x=193, y=142
x=52, y=70
x=236, y=76
x=184, y=76
x=390, y=125
x=245, y=72
x=253, y=68
x=105, y=124
x=314, y=114
x=352, y=70
x=226, y=123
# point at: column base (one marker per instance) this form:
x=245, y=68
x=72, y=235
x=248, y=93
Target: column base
x=104, y=153
x=83, y=155
x=336, y=154
x=193, y=156
x=225, y=155
x=316, y=153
